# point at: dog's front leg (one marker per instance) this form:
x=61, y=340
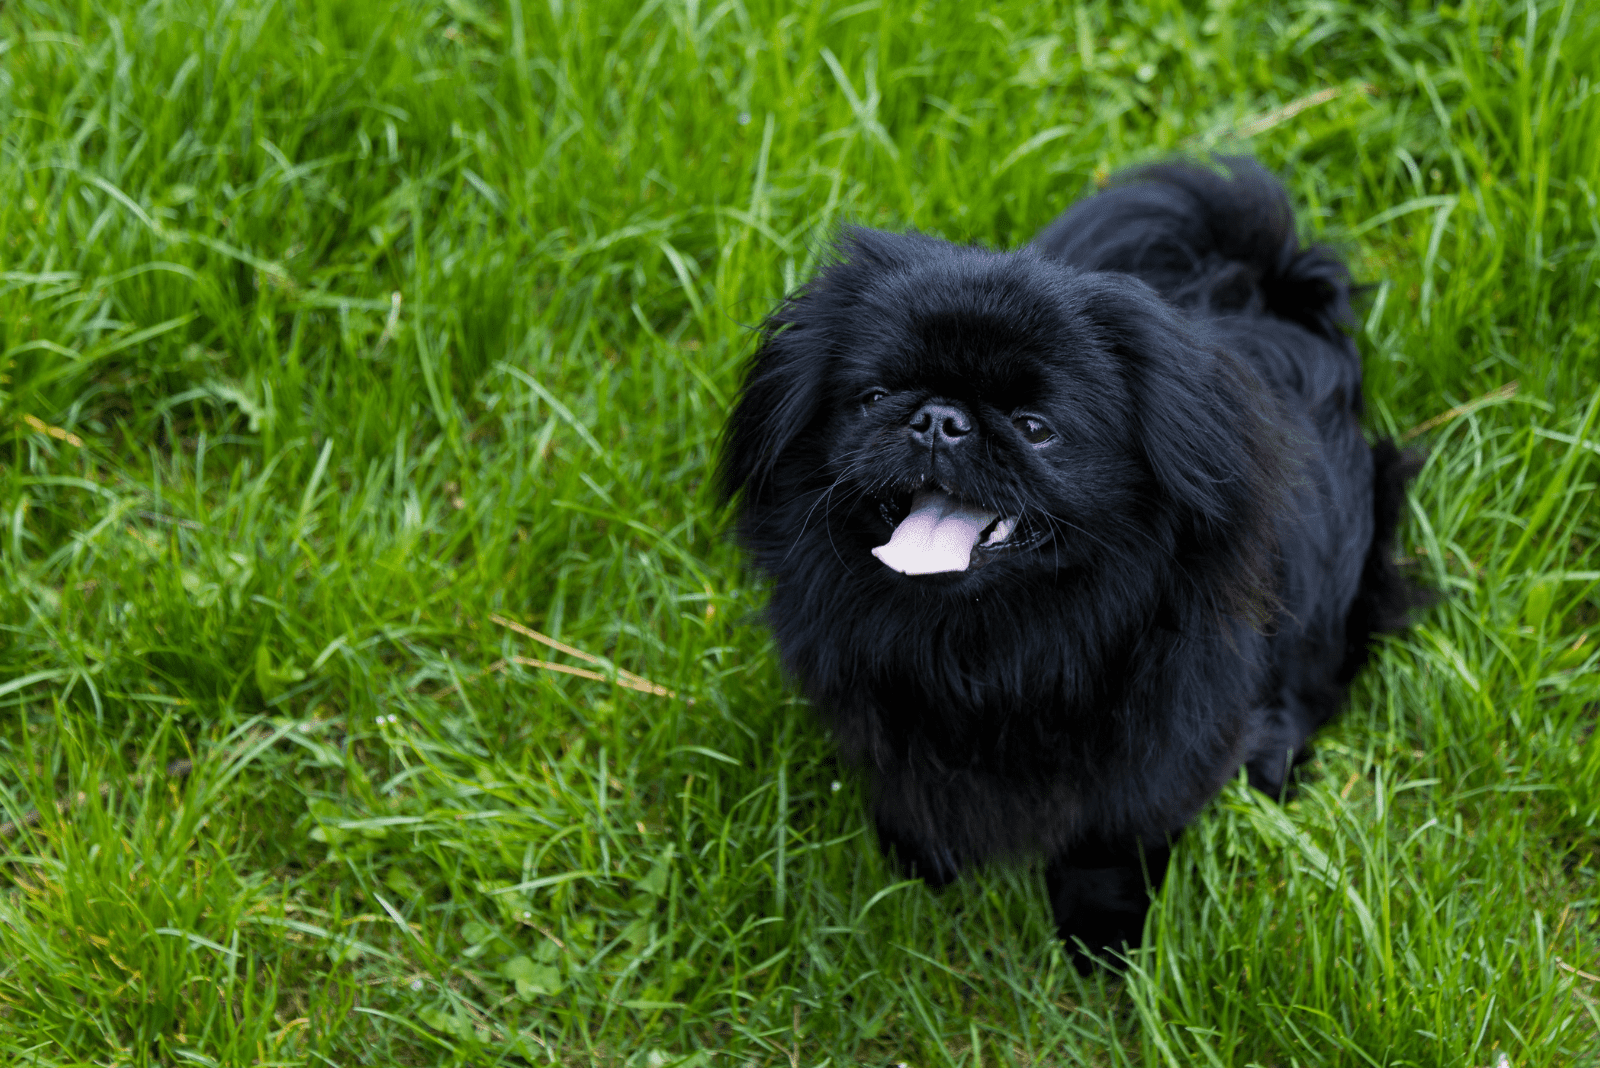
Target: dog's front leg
x=1100, y=892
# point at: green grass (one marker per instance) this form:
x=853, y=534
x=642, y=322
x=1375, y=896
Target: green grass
x=329, y=331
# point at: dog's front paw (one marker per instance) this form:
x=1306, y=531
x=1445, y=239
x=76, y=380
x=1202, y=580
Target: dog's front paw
x=1100, y=910
x=934, y=864
x=1100, y=937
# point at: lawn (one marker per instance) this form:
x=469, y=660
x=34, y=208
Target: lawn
x=344, y=347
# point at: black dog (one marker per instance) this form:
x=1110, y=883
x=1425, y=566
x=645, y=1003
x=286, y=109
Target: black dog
x=1063, y=537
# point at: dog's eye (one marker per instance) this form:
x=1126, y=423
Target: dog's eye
x=1032, y=430
x=873, y=396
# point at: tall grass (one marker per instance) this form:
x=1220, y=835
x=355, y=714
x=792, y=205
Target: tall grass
x=329, y=332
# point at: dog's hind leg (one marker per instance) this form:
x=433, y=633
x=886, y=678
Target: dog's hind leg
x=1282, y=742
x=1099, y=894
x=1385, y=597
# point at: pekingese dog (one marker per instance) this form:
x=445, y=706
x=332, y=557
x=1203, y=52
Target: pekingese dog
x=1061, y=538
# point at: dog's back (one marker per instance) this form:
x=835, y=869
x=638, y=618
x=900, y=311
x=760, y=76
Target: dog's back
x=1221, y=244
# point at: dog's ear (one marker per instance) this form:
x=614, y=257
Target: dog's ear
x=781, y=396
x=1215, y=442
x=1207, y=426
x=785, y=384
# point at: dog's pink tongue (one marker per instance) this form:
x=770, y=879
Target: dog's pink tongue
x=937, y=536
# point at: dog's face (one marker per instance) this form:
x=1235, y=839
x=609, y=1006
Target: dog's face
x=932, y=410
x=968, y=440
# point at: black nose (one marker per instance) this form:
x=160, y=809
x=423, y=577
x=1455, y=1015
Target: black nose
x=937, y=423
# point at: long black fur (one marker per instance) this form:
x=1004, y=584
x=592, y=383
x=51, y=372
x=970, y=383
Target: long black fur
x=1208, y=532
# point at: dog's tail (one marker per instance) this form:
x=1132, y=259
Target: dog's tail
x=1221, y=240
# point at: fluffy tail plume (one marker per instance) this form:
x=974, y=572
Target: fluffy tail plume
x=1222, y=240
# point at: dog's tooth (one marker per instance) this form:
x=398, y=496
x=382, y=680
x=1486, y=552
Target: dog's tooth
x=1002, y=531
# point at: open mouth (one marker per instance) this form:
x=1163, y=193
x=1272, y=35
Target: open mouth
x=940, y=532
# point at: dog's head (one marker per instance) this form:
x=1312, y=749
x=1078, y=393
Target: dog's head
x=931, y=409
